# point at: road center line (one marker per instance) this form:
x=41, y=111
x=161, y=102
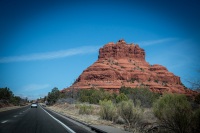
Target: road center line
x=4, y=121
x=66, y=127
x=15, y=115
x=26, y=110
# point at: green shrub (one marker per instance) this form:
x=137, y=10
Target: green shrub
x=130, y=113
x=108, y=110
x=174, y=112
x=53, y=96
x=94, y=96
x=125, y=90
x=85, y=109
x=196, y=121
x=121, y=97
x=6, y=94
x=197, y=99
x=144, y=95
x=15, y=100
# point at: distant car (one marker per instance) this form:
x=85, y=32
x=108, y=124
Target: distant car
x=34, y=105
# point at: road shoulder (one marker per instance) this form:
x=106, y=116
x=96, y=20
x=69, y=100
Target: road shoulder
x=98, y=128
x=10, y=108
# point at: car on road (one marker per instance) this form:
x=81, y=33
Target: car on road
x=34, y=105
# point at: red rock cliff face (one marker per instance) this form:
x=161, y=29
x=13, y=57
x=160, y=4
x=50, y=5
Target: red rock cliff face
x=121, y=51
x=124, y=64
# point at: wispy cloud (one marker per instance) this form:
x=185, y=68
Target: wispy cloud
x=35, y=87
x=50, y=55
x=154, y=42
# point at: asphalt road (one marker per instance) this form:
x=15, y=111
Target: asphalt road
x=36, y=120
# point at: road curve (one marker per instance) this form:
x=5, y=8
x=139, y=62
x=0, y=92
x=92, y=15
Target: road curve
x=36, y=120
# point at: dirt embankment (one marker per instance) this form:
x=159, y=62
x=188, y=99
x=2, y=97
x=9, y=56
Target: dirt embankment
x=9, y=108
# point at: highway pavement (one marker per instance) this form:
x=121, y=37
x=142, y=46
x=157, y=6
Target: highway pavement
x=37, y=120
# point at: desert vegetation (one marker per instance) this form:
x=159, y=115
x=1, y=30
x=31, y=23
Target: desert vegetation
x=174, y=113
x=135, y=109
x=85, y=109
x=53, y=96
x=108, y=110
x=7, y=98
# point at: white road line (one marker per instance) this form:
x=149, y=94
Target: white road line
x=15, y=115
x=66, y=127
x=4, y=121
x=26, y=110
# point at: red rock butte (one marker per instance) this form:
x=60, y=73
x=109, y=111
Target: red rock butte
x=123, y=64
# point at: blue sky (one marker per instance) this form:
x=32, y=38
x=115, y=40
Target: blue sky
x=47, y=44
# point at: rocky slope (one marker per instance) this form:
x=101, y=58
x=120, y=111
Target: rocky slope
x=124, y=64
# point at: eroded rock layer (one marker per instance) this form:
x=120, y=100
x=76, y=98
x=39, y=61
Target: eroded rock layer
x=123, y=64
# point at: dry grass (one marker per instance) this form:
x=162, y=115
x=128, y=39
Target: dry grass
x=72, y=110
x=148, y=116
x=9, y=108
